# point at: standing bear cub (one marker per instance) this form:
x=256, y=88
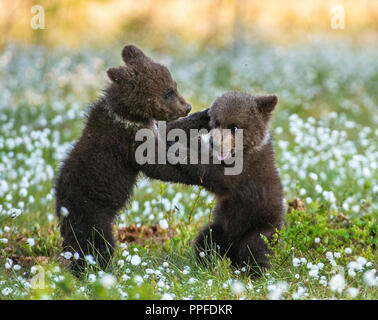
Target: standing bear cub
x=97, y=177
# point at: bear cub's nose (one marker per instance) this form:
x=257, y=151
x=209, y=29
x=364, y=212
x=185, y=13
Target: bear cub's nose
x=188, y=108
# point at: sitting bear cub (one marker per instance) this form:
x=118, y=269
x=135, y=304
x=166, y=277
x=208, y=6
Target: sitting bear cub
x=97, y=178
x=249, y=204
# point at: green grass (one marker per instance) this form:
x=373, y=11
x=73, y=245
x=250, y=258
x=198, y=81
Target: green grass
x=326, y=150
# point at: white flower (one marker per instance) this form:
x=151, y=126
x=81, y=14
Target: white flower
x=313, y=176
x=317, y=240
x=164, y=224
x=6, y=291
x=276, y=290
x=30, y=241
x=337, y=283
x=202, y=254
x=351, y=273
x=296, y=262
x=138, y=280
x=64, y=212
x=89, y=258
x=352, y=292
x=4, y=240
x=210, y=282
x=337, y=254
x=318, y=188
x=91, y=277
x=370, y=279
x=192, y=280
x=237, y=287
x=135, y=260
x=329, y=255
x=167, y=296
x=108, y=281
x=76, y=255
x=361, y=260
x=300, y=293
x=67, y=255
x=314, y=273
x=348, y=250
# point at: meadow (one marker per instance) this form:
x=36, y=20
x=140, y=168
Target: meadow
x=325, y=135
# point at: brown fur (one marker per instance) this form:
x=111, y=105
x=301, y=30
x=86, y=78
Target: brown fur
x=250, y=204
x=97, y=178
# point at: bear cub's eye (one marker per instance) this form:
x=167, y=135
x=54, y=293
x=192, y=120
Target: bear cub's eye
x=169, y=94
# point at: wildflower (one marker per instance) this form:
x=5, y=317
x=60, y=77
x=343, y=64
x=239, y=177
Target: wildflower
x=64, y=212
x=277, y=290
x=67, y=255
x=237, y=287
x=318, y=188
x=138, y=280
x=6, y=291
x=317, y=240
x=370, y=279
x=337, y=283
x=348, y=250
x=296, y=262
x=192, y=280
x=299, y=293
x=89, y=258
x=202, y=254
x=108, y=281
x=352, y=292
x=167, y=296
x=329, y=255
x=91, y=277
x=164, y=224
x=361, y=260
x=314, y=273
x=135, y=260
x=351, y=273
x=30, y=241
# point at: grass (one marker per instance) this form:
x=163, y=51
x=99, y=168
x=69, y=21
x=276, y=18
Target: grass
x=326, y=150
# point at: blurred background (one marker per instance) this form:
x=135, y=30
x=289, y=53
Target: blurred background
x=159, y=23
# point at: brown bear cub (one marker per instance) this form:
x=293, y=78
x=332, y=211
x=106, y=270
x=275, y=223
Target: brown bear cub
x=249, y=204
x=97, y=178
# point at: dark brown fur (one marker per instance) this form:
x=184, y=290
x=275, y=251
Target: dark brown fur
x=97, y=178
x=248, y=205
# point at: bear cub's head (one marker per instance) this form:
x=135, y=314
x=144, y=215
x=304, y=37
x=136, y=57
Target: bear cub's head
x=142, y=89
x=238, y=110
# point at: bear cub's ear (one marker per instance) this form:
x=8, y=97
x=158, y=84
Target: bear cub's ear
x=266, y=104
x=119, y=74
x=131, y=53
